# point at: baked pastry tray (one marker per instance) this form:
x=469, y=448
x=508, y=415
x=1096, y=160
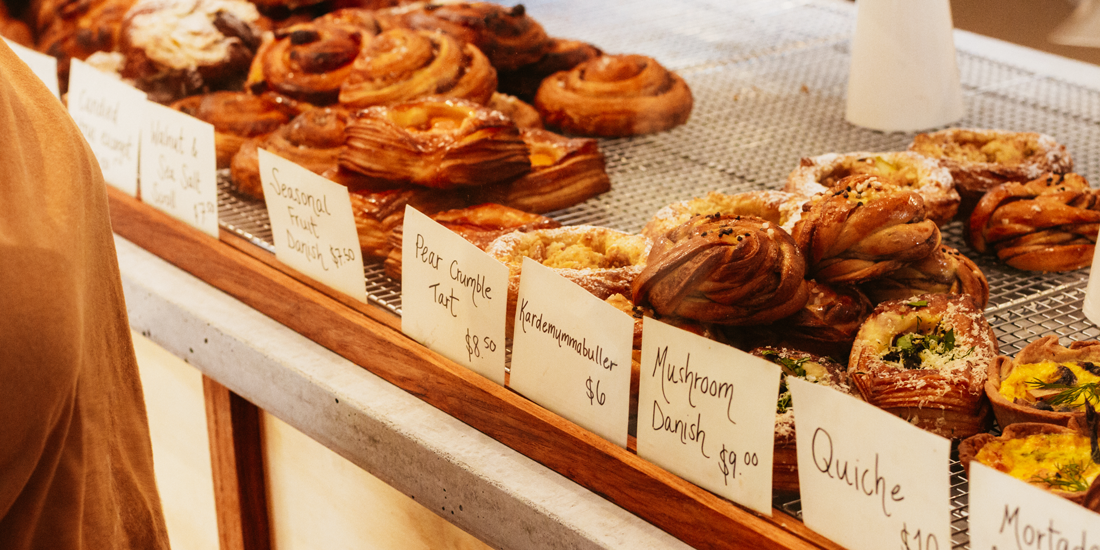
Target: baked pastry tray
x=769, y=83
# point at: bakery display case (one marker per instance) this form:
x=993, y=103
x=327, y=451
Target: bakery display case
x=768, y=82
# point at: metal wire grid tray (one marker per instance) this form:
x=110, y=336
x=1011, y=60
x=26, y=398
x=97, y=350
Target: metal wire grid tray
x=769, y=82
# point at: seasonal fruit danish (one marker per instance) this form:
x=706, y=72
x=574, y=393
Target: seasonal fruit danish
x=778, y=207
x=814, y=368
x=524, y=115
x=614, y=96
x=601, y=260
x=176, y=48
x=902, y=170
x=312, y=140
x=1046, y=224
x=1045, y=382
x=564, y=171
x=925, y=360
x=480, y=224
x=403, y=64
x=238, y=116
x=1055, y=458
x=731, y=270
x=435, y=142
x=563, y=55
x=378, y=213
x=944, y=271
x=980, y=159
x=862, y=229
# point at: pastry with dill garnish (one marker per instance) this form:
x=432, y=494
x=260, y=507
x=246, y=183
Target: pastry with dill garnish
x=925, y=359
x=1045, y=382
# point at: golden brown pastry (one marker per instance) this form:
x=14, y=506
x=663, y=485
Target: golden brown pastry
x=779, y=207
x=980, y=159
x=564, y=171
x=1046, y=224
x=435, y=142
x=731, y=270
x=77, y=29
x=614, y=96
x=312, y=140
x=903, y=171
x=402, y=64
x=1045, y=382
x=238, y=116
x=826, y=325
x=862, y=229
x=378, y=213
x=924, y=359
x=15, y=30
x=524, y=115
x=480, y=224
x=563, y=55
x=944, y=271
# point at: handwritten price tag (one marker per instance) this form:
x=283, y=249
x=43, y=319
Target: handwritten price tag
x=108, y=113
x=312, y=225
x=867, y=478
x=453, y=296
x=43, y=66
x=178, y=167
x=706, y=412
x=571, y=352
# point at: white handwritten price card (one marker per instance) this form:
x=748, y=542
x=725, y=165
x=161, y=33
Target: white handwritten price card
x=706, y=412
x=1091, y=305
x=108, y=113
x=1009, y=514
x=571, y=352
x=868, y=479
x=178, y=169
x=312, y=225
x=454, y=297
x=43, y=66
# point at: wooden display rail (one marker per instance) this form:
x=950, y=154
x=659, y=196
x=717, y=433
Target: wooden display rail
x=371, y=338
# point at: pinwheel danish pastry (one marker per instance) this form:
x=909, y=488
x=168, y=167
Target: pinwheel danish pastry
x=944, y=271
x=1047, y=224
x=435, y=142
x=238, y=116
x=1045, y=382
x=924, y=359
x=614, y=96
x=863, y=229
x=76, y=29
x=563, y=55
x=564, y=171
x=731, y=270
x=778, y=207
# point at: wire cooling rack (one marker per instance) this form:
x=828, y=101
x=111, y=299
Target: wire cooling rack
x=769, y=82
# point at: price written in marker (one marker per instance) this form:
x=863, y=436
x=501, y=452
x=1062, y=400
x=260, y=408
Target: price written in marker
x=918, y=541
x=475, y=344
x=342, y=256
x=203, y=210
x=595, y=396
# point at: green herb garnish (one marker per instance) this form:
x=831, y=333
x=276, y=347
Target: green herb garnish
x=907, y=348
x=1067, y=394
x=918, y=303
x=790, y=366
x=1068, y=477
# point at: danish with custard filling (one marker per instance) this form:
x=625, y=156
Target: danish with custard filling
x=1045, y=382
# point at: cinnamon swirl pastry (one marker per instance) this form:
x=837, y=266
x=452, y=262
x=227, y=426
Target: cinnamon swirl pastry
x=238, y=116
x=563, y=55
x=614, y=96
x=312, y=140
x=435, y=142
x=944, y=271
x=1046, y=382
x=480, y=225
x=981, y=159
x=778, y=207
x=863, y=229
x=77, y=29
x=732, y=270
x=564, y=171
x=378, y=213
x=924, y=359
x=403, y=64
x=1047, y=224
x=903, y=171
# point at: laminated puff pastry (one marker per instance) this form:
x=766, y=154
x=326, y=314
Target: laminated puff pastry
x=730, y=270
x=1046, y=224
x=378, y=212
x=944, y=271
x=863, y=229
x=238, y=116
x=980, y=159
x=614, y=96
x=525, y=116
x=436, y=142
x=903, y=171
x=1055, y=458
x=778, y=207
x=925, y=359
x=814, y=368
x=312, y=140
x=601, y=260
x=480, y=224
x=1045, y=382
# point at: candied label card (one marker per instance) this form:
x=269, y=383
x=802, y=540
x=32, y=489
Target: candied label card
x=312, y=225
x=1007, y=513
x=178, y=167
x=706, y=412
x=43, y=66
x=868, y=479
x=108, y=113
x=571, y=352
x=454, y=297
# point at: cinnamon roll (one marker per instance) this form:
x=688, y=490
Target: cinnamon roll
x=614, y=96
x=238, y=116
x=563, y=55
x=1047, y=224
x=944, y=271
x=564, y=171
x=732, y=270
x=778, y=207
x=77, y=29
